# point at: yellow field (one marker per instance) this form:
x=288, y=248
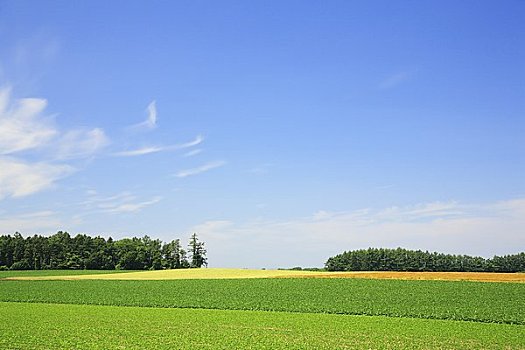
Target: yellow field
x=450, y=276
x=210, y=273
x=219, y=273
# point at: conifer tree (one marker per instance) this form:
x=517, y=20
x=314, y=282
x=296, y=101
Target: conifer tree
x=198, y=253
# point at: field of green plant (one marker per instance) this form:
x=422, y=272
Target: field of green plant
x=296, y=313
x=52, y=326
x=468, y=301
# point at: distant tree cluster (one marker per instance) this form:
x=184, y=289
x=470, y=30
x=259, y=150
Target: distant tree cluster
x=379, y=259
x=61, y=251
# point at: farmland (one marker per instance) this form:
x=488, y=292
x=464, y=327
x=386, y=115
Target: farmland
x=103, y=312
x=212, y=273
x=107, y=327
x=476, y=301
x=218, y=273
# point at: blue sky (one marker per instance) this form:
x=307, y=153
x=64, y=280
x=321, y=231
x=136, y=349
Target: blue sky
x=282, y=132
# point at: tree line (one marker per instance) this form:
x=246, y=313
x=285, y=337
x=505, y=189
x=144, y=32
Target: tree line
x=61, y=251
x=380, y=259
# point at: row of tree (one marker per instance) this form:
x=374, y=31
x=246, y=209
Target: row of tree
x=61, y=251
x=379, y=259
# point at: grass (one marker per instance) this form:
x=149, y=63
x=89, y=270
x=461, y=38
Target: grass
x=218, y=273
x=470, y=301
x=52, y=326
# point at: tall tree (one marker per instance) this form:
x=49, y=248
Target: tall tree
x=198, y=253
x=174, y=256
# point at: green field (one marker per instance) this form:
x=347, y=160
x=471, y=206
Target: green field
x=51, y=326
x=472, y=301
x=264, y=313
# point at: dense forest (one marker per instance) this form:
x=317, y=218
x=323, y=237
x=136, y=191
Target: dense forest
x=379, y=259
x=61, y=251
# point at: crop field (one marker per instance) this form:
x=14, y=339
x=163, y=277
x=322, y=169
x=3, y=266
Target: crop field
x=470, y=301
x=218, y=273
x=438, y=276
x=212, y=273
x=260, y=313
x=105, y=327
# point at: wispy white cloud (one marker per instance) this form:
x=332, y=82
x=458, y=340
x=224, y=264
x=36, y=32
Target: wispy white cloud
x=35, y=222
x=26, y=134
x=200, y=169
x=261, y=169
x=22, y=126
x=94, y=199
x=81, y=143
x=155, y=149
x=395, y=79
x=19, y=178
x=131, y=207
x=322, y=215
x=91, y=192
x=151, y=119
x=192, y=153
x=450, y=227
x=198, y=140
x=213, y=228
x=123, y=202
x=151, y=122
x=139, y=151
x=423, y=211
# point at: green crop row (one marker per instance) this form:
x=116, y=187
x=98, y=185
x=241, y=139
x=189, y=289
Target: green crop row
x=54, y=326
x=470, y=301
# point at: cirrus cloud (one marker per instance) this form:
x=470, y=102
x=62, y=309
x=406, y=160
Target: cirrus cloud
x=22, y=126
x=31, y=144
x=201, y=169
x=151, y=119
x=19, y=178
